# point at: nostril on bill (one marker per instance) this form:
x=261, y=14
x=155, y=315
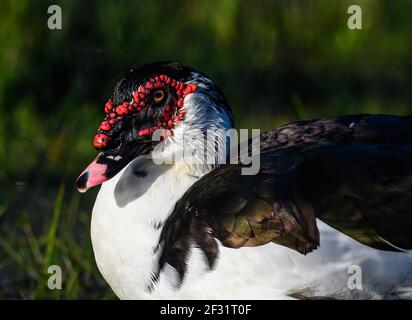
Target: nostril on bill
x=81, y=182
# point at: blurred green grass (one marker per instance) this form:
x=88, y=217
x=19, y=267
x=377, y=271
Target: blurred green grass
x=276, y=61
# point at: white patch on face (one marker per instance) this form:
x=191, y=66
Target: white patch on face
x=116, y=158
x=202, y=117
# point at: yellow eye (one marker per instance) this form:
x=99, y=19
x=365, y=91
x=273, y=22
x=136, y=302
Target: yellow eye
x=158, y=96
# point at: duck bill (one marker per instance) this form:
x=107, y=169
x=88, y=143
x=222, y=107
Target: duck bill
x=93, y=175
x=107, y=165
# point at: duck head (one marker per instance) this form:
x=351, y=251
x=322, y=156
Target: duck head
x=161, y=97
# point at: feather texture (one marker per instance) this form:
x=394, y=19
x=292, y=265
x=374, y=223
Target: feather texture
x=352, y=172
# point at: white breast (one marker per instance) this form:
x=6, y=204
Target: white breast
x=125, y=223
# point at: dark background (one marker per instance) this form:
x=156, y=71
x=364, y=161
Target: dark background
x=276, y=61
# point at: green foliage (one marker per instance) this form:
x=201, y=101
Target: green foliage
x=276, y=61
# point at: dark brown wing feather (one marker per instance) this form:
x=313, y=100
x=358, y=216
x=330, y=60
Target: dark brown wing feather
x=352, y=172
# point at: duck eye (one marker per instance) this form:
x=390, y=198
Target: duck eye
x=158, y=96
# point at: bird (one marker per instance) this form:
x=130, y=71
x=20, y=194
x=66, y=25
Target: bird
x=327, y=215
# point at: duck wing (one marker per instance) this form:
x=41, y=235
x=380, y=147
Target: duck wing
x=352, y=172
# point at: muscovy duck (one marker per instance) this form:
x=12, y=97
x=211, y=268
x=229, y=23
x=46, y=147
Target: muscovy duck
x=330, y=196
